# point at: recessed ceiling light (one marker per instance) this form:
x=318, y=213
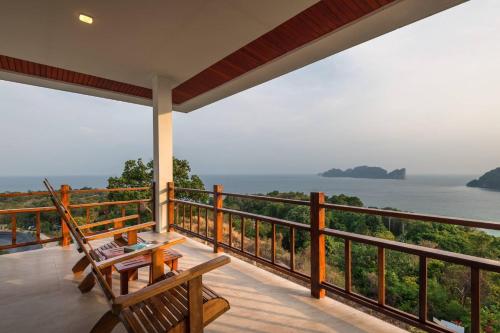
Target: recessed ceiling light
x=86, y=19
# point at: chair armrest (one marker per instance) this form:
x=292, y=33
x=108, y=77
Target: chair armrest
x=121, y=302
x=112, y=232
x=110, y=221
x=146, y=250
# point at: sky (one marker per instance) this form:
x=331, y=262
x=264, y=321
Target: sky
x=425, y=97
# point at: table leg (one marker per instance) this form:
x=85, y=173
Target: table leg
x=133, y=275
x=174, y=265
x=124, y=283
x=107, y=274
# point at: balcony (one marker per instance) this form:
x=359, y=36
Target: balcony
x=38, y=290
x=168, y=56
x=40, y=282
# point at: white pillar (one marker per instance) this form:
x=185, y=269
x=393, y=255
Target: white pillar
x=163, y=146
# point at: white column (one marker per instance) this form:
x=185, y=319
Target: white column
x=163, y=146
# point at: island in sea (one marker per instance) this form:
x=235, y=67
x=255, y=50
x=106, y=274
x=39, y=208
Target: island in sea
x=366, y=172
x=490, y=180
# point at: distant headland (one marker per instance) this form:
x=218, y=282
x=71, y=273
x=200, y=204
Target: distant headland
x=490, y=180
x=366, y=172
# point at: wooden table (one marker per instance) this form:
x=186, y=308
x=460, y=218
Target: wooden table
x=128, y=269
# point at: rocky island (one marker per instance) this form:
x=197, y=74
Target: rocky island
x=490, y=180
x=366, y=172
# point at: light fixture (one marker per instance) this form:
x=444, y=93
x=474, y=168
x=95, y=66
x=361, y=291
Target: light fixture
x=85, y=18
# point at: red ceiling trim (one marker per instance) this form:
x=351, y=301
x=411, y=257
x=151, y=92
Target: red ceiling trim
x=67, y=76
x=312, y=23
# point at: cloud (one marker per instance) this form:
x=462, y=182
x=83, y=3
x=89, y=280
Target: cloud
x=422, y=97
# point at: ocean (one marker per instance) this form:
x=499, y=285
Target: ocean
x=431, y=194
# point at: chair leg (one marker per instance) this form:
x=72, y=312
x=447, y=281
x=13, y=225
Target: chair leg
x=106, y=323
x=80, y=265
x=87, y=284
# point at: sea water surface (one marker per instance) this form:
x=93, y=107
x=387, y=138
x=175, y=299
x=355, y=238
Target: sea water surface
x=431, y=194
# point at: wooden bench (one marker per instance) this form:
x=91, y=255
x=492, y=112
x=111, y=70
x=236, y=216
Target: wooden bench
x=175, y=302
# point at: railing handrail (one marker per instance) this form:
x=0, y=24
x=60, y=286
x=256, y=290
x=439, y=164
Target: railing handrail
x=416, y=216
x=11, y=211
x=194, y=190
x=92, y=190
x=267, y=198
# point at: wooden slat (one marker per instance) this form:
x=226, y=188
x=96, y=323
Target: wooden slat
x=110, y=233
x=13, y=228
x=190, y=218
x=37, y=226
x=138, y=212
x=242, y=241
x=292, y=249
x=348, y=265
x=475, y=301
x=381, y=275
x=257, y=239
x=422, y=291
x=199, y=220
x=273, y=243
x=230, y=239
x=111, y=221
x=206, y=222
x=184, y=216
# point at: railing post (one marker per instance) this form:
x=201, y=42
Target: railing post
x=318, y=260
x=475, y=300
x=219, y=216
x=170, y=205
x=66, y=239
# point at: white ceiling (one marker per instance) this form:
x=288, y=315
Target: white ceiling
x=131, y=41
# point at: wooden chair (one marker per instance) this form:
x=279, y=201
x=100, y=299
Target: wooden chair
x=176, y=302
x=122, y=235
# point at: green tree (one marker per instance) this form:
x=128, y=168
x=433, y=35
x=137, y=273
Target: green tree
x=136, y=173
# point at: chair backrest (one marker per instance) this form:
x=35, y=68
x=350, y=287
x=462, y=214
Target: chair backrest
x=78, y=236
x=66, y=216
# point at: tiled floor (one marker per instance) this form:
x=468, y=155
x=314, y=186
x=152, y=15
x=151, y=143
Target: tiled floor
x=38, y=293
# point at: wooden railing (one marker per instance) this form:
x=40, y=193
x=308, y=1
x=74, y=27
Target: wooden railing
x=65, y=194
x=209, y=223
